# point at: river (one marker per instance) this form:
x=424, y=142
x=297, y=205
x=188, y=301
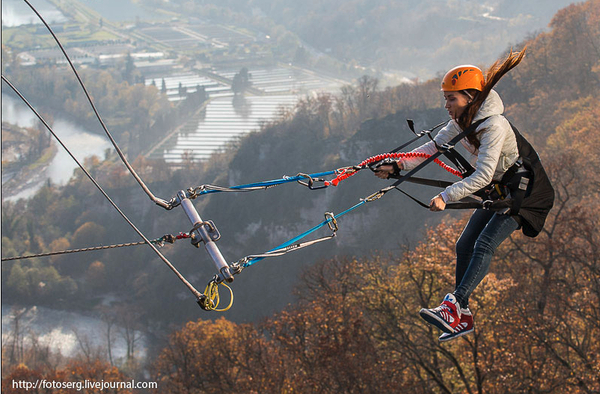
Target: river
x=67, y=333
x=80, y=141
x=17, y=13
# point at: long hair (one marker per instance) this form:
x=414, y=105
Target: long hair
x=493, y=75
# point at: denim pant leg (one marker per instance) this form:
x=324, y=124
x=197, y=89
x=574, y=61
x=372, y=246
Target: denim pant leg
x=466, y=243
x=497, y=229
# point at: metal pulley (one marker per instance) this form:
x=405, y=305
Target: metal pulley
x=205, y=231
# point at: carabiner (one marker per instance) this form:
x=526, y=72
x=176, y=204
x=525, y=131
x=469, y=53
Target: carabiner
x=331, y=221
x=311, y=182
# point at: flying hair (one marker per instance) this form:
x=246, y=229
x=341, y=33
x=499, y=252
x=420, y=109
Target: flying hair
x=493, y=75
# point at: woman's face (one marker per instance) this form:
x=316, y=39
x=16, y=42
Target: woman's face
x=456, y=102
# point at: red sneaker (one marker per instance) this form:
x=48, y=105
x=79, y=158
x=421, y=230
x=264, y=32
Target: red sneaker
x=446, y=317
x=466, y=326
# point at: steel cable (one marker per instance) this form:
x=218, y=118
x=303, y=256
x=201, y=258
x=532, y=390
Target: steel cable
x=91, y=178
x=156, y=200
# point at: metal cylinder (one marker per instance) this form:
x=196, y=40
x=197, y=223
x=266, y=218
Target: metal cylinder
x=211, y=247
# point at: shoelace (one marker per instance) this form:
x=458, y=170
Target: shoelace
x=445, y=308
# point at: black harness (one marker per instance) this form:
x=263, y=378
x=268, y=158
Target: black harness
x=511, y=190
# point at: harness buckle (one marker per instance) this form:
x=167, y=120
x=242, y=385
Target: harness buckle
x=523, y=183
x=445, y=147
x=519, y=162
x=487, y=204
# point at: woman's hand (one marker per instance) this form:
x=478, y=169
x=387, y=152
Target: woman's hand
x=437, y=204
x=384, y=171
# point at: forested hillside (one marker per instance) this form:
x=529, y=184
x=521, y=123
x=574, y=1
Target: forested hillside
x=353, y=326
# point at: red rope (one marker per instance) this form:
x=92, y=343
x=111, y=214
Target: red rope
x=349, y=171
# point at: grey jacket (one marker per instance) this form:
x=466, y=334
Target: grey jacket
x=497, y=153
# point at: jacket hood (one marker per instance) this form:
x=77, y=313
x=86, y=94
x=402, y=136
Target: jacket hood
x=492, y=105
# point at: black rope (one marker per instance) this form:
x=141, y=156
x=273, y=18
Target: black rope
x=411, y=125
x=156, y=200
x=31, y=256
x=163, y=258
x=169, y=238
x=413, y=198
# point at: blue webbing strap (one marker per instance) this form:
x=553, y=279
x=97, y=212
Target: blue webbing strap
x=266, y=184
x=304, y=234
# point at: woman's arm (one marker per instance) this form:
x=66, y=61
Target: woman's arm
x=429, y=148
x=495, y=131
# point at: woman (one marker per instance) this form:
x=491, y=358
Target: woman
x=494, y=147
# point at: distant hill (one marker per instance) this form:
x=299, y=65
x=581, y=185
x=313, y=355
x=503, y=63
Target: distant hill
x=418, y=37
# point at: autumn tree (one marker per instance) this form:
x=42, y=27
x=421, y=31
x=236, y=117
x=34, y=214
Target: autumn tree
x=241, y=81
x=89, y=234
x=21, y=374
x=95, y=275
x=75, y=372
x=218, y=356
x=326, y=340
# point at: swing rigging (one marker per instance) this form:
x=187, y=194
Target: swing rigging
x=206, y=231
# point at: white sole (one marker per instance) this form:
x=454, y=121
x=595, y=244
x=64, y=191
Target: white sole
x=450, y=337
x=436, y=321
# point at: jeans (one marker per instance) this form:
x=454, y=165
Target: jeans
x=475, y=248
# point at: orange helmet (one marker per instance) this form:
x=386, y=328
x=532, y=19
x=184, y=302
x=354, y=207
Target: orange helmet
x=462, y=78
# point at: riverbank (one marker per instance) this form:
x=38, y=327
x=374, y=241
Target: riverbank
x=22, y=180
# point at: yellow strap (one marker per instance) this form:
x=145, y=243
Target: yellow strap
x=499, y=191
x=212, y=297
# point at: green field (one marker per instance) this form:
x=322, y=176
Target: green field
x=25, y=38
